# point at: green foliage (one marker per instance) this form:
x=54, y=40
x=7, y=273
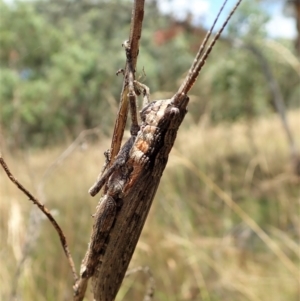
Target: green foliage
x=248, y=23
x=58, y=61
x=237, y=86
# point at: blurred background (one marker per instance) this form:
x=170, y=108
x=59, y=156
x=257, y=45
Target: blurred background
x=224, y=224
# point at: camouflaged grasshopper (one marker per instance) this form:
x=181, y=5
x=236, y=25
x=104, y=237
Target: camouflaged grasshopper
x=130, y=181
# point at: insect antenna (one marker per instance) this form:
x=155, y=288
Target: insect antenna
x=200, y=61
x=203, y=44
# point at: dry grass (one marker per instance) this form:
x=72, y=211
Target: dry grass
x=224, y=225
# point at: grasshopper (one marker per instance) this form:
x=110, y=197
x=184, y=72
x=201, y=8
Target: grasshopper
x=132, y=179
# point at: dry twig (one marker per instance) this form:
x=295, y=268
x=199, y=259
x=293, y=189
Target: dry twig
x=45, y=210
x=134, y=38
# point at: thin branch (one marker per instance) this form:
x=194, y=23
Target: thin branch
x=46, y=212
x=134, y=37
x=278, y=101
x=35, y=219
x=275, y=90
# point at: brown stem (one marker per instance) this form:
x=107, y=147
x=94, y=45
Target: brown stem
x=46, y=211
x=134, y=37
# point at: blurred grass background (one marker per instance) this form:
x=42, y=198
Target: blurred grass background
x=224, y=224
x=199, y=240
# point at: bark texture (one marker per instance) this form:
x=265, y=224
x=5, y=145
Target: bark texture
x=146, y=163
